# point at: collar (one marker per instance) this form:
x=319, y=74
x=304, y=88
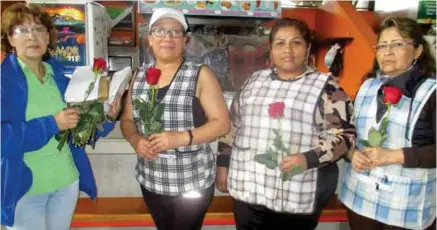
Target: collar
x=25, y=68
x=274, y=74
x=406, y=81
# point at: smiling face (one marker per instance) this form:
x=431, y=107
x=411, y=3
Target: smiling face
x=167, y=39
x=289, y=50
x=394, y=53
x=30, y=39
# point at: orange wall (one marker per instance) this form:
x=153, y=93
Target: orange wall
x=340, y=19
x=306, y=15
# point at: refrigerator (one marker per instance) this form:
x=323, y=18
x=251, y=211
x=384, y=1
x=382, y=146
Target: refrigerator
x=83, y=28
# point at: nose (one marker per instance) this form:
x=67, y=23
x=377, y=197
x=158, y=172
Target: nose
x=31, y=35
x=168, y=36
x=388, y=50
x=287, y=48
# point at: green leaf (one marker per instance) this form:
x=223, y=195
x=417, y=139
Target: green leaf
x=271, y=164
x=285, y=176
x=147, y=132
x=276, y=132
x=383, y=139
x=263, y=158
x=158, y=111
x=279, y=144
x=266, y=160
x=374, y=138
x=288, y=175
x=383, y=126
x=272, y=152
x=296, y=170
x=365, y=143
x=156, y=126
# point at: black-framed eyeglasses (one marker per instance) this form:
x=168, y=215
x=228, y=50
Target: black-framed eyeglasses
x=395, y=46
x=162, y=32
x=20, y=31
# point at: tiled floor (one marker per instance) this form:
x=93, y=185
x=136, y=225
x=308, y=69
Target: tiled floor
x=324, y=226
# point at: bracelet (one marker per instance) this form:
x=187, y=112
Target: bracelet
x=191, y=136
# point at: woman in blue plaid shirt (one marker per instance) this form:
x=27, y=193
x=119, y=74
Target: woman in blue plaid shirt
x=394, y=186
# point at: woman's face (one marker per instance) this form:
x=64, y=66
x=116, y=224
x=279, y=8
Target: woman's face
x=167, y=39
x=289, y=50
x=30, y=39
x=395, y=53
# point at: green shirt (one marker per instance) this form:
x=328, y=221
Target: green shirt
x=51, y=169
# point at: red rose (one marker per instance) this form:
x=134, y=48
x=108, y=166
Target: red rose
x=276, y=109
x=99, y=65
x=392, y=95
x=152, y=76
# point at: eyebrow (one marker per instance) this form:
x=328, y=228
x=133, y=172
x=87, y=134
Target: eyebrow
x=292, y=39
x=395, y=40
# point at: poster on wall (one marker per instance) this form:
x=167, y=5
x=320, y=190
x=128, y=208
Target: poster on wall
x=233, y=8
x=71, y=45
x=426, y=12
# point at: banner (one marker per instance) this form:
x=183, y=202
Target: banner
x=233, y=8
x=426, y=12
x=71, y=45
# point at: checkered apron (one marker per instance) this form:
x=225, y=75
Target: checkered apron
x=394, y=195
x=185, y=168
x=254, y=183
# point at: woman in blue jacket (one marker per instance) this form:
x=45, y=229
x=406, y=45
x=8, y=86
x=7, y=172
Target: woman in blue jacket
x=39, y=185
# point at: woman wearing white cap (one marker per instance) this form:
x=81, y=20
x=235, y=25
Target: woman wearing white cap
x=178, y=163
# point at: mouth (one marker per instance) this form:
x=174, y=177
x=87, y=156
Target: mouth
x=388, y=62
x=287, y=59
x=167, y=47
x=34, y=47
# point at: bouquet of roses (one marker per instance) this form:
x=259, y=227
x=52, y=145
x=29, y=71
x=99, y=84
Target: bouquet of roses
x=90, y=96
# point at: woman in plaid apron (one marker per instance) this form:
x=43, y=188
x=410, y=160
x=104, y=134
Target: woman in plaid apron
x=394, y=186
x=316, y=129
x=176, y=168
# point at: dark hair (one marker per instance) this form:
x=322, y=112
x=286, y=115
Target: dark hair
x=409, y=28
x=301, y=26
x=291, y=22
x=16, y=14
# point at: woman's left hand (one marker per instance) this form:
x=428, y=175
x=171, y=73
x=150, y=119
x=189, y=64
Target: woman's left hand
x=166, y=140
x=381, y=156
x=290, y=162
x=114, y=109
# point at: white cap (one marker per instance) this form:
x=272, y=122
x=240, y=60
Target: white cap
x=168, y=13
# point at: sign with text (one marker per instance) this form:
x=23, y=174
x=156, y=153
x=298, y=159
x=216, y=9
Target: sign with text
x=426, y=11
x=71, y=43
x=233, y=8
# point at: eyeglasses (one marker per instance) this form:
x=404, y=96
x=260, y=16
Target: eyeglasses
x=26, y=31
x=162, y=32
x=395, y=46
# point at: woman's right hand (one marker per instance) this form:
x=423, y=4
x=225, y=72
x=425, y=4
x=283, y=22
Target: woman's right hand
x=142, y=147
x=67, y=119
x=360, y=161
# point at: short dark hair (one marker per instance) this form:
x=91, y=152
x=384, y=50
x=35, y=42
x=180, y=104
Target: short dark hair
x=16, y=14
x=301, y=26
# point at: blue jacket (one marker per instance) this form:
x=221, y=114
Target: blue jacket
x=19, y=136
